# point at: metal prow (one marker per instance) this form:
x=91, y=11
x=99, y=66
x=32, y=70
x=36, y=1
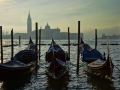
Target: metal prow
x=30, y=41
x=53, y=56
x=109, y=58
x=81, y=41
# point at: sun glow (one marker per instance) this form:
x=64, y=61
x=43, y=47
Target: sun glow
x=2, y=2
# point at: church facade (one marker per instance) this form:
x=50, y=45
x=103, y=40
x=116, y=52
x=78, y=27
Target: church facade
x=48, y=33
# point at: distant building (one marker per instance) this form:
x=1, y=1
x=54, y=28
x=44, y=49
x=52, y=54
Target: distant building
x=64, y=35
x=29, y=24
x=29, y=29
x=110, y=37
x=23, y=35
x=46, y=33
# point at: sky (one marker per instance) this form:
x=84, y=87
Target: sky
x=103, y=15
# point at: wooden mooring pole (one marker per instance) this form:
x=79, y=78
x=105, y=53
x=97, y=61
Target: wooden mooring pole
x=36, y=28
x=39, y=43
x=78, y=49
x=95, y=38
x=19, y=40
x=1, y=44
x=68, y=43
x=12, y=44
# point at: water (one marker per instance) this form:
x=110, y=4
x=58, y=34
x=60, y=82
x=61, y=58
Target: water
x=71, y=81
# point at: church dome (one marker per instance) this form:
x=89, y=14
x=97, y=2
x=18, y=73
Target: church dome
x=47, y=26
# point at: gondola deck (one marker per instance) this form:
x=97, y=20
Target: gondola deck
x=56, y=61
x=97, y=63
x=103, y=67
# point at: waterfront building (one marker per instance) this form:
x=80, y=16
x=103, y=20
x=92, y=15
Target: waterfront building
x=110, y=36
x=46, y=33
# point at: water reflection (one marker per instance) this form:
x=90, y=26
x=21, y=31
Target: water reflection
x=41, y=81
x=100, y=82
x=58, y=84
x=15, y=83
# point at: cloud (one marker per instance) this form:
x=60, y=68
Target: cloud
x=66, y=13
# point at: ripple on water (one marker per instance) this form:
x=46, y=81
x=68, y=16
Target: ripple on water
x=71, y=81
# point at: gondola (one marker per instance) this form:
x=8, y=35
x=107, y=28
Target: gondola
x=56, y=61
x=22, y=63
x=88, y=55
x=102, y=67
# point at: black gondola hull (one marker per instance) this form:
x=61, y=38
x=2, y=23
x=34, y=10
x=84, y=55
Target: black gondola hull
x=101, y=67
x=22, y=63
x=7, y=72
x=56, y=61
x=55, y=70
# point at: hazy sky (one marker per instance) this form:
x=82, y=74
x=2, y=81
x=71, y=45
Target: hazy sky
x=103, y=15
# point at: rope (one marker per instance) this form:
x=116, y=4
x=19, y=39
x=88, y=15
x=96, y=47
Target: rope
x=72, y=64
x=42, y=55
x=117, y=67
x=81, y=64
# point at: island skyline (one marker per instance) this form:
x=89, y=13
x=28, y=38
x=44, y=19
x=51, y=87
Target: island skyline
x=100, y=15
x=46, y=33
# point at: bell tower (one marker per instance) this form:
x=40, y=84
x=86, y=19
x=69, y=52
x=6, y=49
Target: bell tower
x=29, y=24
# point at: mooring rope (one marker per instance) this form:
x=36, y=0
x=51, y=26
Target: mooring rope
x=81, y=64
x=42, y=55
x=117, y=67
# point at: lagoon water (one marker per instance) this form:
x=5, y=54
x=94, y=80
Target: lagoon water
x=70, y=81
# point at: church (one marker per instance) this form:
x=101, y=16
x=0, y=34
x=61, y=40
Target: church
x=46, y=33
x=53, y=33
